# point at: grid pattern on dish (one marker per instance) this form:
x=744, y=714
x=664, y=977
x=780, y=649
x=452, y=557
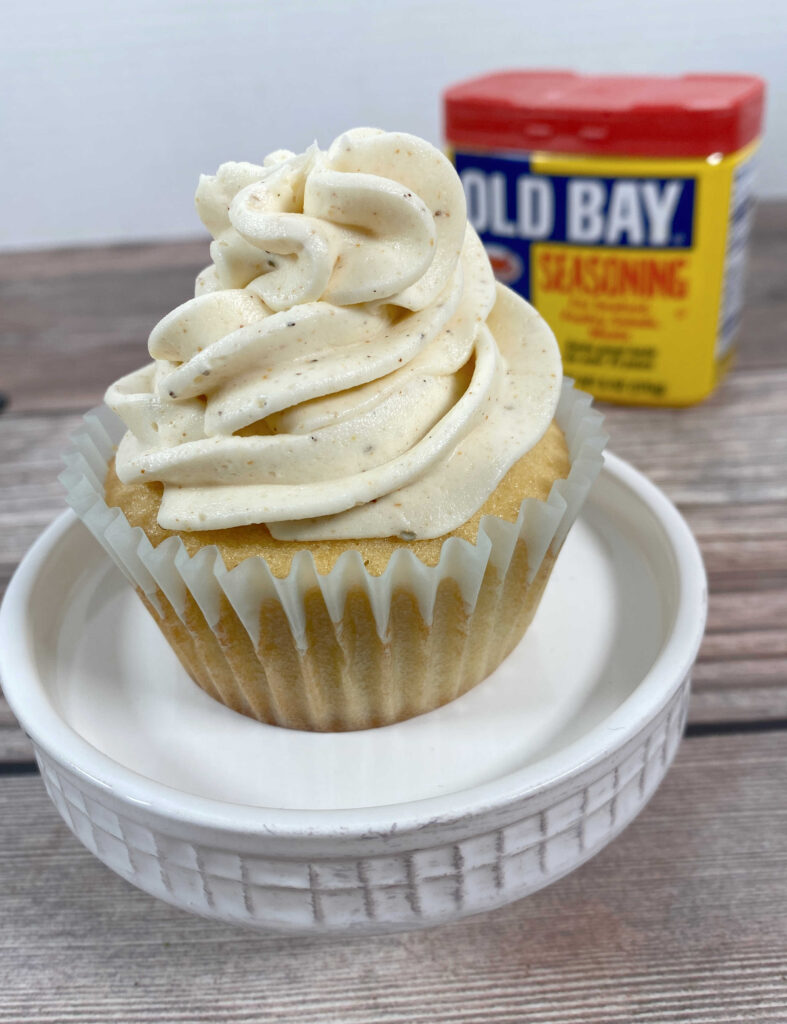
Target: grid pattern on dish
x=532, y=846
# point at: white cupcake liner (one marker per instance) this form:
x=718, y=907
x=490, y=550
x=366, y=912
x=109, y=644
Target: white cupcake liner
x=168, y=568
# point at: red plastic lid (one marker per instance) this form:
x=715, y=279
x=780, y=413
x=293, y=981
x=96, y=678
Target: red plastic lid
x=627, y=115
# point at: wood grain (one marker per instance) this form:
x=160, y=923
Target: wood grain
x=735, y=501
x=683, y=919
x=79, y=320
x=680, y=920
x=74, y=320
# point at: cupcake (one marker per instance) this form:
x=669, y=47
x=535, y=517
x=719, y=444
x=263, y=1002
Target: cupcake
x=341, y=484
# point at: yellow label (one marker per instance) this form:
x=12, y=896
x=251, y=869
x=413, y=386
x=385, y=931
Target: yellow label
x=635, y=263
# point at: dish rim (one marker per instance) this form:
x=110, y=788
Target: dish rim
x=26, y=694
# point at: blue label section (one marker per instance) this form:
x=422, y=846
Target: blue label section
x=511, y=206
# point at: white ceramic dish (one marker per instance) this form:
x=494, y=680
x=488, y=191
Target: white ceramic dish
x=458, y=811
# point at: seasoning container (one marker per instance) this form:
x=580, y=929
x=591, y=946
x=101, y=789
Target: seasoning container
x=620, y=206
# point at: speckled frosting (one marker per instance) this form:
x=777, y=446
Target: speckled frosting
x=348, y=367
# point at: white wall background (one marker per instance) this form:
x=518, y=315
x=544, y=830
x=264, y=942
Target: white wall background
x=109, y=109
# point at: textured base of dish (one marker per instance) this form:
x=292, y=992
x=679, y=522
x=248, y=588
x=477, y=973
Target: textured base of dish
x=397, y=889
x=369, y=831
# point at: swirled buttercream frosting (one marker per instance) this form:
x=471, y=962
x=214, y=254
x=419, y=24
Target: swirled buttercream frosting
x=348, y=367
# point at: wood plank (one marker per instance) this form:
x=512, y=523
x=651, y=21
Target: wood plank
x=738, y=702
x=73, y=320
x=45, y=264
x=680, y=920
x=730, y=449
x=15, y=747
x=765, y=318
x=763, y=609
x=68, y=334
x=31, y=449
x=741, y=676
x=724, y=466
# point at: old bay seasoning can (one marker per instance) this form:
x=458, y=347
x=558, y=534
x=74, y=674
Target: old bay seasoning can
x=620, y=206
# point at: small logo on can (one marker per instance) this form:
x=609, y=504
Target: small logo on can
x=505, y=263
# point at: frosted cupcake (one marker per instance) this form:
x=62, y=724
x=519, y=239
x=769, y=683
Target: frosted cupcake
x=346, y=475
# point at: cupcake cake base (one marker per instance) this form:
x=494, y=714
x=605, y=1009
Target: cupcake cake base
x=346, y=635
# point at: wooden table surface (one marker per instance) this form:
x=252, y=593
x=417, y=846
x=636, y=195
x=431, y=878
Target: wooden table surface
x=683, y=918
